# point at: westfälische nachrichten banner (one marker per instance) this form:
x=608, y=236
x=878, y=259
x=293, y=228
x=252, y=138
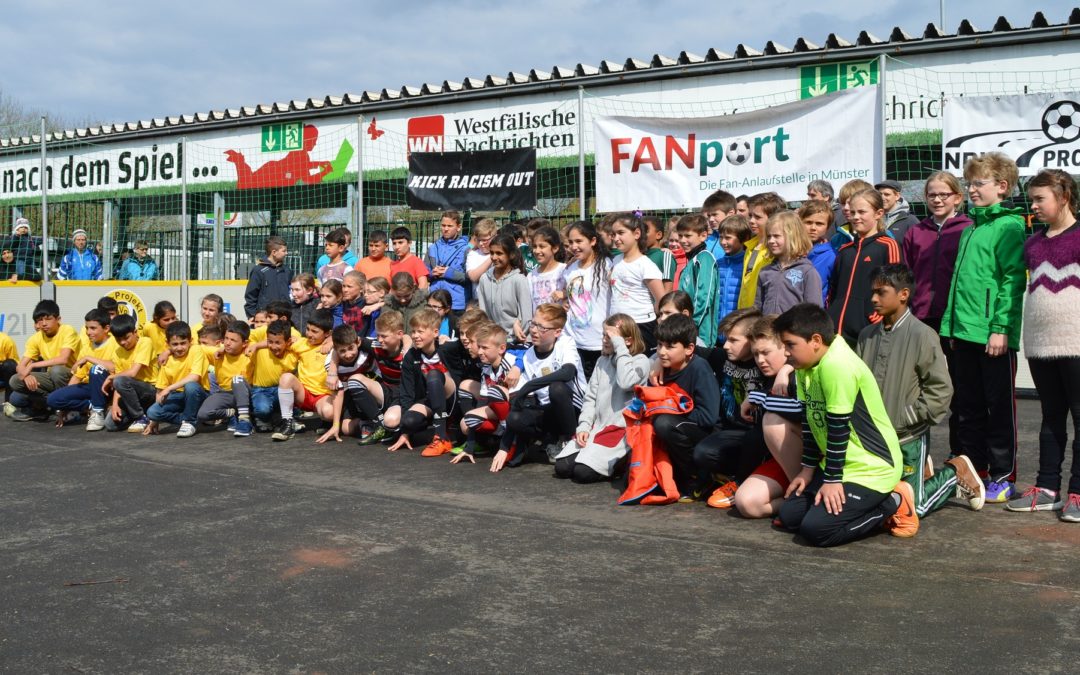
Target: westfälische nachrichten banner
x=667, y=163
x=492, y=180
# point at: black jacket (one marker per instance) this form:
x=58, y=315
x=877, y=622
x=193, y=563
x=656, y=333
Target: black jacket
x=267, y=283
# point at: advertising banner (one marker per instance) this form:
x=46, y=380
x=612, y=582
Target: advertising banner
x=491, y=180
x=669, y=163
x=1038, y=131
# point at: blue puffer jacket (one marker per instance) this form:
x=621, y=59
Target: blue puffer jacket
x=728, y=282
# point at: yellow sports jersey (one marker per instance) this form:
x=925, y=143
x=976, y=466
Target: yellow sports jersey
x=41, y=348
x=195, y=328
x=8, y=350
x=311, y=369
x=104, y=351
x=157, y=336
x=268, y=368
x=174, y=370
x=226, y=368
x=142, y=354
x=259, y=334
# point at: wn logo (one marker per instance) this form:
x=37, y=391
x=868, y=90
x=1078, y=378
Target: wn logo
x=425, y=134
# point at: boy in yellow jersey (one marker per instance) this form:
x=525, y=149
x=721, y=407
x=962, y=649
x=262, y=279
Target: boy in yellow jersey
x=45, y=366
x=9, y=361
x=307, y=389
x=96, y=349
x=269, y=364
x=130, y=385
x=179, y=383
x=275, y=311
x=227, y=381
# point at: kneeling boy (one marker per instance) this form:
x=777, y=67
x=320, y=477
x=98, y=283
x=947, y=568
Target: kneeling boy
x=850, y=483
x=45, y=365
x=230, y=395
x=307, y=389
x=179, y=384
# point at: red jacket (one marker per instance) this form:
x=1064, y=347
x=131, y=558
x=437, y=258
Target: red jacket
x=651, y=476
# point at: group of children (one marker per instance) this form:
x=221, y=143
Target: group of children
x=789, y=367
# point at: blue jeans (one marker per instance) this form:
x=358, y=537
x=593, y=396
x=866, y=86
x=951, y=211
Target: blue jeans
x=78, y=396
x=179, y=406
x=263, y=402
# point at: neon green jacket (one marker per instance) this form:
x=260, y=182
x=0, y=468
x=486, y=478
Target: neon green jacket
x=987, y=291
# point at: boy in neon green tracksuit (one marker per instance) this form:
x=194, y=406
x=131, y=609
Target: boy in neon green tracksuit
x=850, y=484
x=699, y=278
x=983, y=318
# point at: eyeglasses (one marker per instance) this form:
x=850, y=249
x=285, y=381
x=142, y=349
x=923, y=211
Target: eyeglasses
x=980, y=184
x=543, y=329
x=939, y=196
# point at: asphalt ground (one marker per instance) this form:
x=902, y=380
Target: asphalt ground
x=214, y=554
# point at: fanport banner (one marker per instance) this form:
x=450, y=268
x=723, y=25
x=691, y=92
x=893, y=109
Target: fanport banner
x=671, y=163
x=491, y=180
x=1038, y=131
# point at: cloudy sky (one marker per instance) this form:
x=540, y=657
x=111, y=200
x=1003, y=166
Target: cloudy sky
x=123, y=60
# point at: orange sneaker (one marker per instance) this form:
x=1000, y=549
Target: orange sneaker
x=905, y=522
x=723, y=497
x=437, y=447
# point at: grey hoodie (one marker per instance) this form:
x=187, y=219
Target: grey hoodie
x=899, y=219
x=507, y=299
x=781, y=289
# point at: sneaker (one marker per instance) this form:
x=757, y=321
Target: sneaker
x=96, y=421
x=263, y=427
x=285, y=430
x=1035, y=499
x=905, y=522
x=138, y=425
x=20, y=415
x=998, y=491
x=1070, y=513
x=9, y=408
x=437, y=448
x=187, y=430
x=242, y=428
x=723, y=497
x=232, y=425
x=968, y=484
x=692, y=495
x=378, y=435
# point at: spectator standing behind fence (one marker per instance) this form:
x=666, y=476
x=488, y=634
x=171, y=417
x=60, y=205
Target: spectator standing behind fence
x=446, y=260
x=898, y=216
x=270, y=279
x=139, y=266
x=24, y=251
x=80, y=263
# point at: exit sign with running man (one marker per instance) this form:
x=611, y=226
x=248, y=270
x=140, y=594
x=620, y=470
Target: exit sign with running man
x=826, y=78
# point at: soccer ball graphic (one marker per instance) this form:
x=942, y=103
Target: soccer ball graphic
x=1061, y=122
x=738, y=151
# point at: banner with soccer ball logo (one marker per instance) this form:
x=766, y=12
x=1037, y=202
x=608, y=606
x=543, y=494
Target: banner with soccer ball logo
x=671, y=163
x=1038, y=131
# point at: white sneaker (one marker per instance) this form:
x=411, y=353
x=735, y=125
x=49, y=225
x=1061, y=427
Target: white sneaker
x=9, y=408
x=96, y=421
x=187, y=430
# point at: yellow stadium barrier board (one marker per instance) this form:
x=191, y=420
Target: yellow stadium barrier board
x=136, y=298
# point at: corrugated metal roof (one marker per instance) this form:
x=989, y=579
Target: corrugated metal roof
x=967, y=35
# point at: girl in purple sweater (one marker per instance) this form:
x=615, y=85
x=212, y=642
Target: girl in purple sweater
x=1051, y=324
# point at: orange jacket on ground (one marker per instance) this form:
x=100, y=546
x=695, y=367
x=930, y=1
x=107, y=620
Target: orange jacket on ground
x=651, y=478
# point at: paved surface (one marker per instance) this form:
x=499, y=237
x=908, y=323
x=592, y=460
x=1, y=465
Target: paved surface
x=240, y=555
